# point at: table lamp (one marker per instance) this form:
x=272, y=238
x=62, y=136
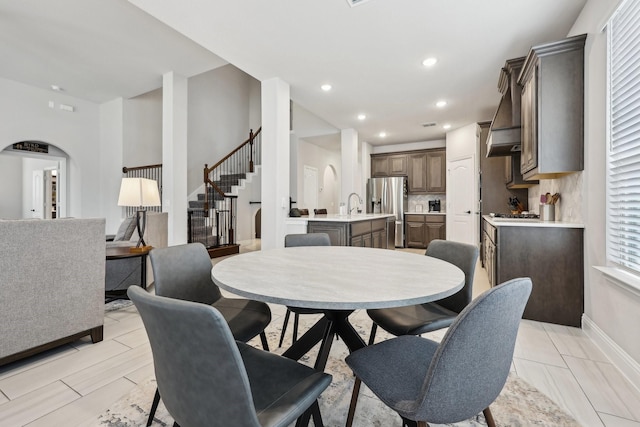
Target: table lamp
x=139, y=193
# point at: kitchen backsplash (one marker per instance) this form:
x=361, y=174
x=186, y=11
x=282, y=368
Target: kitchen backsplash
x=423, y=200
x=569, y=206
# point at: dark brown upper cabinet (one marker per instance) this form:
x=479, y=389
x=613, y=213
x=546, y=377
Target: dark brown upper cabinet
x=552, y=112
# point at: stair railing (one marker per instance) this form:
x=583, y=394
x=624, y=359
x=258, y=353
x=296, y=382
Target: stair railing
x=218, y=223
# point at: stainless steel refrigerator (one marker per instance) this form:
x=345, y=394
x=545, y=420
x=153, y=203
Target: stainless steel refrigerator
x=389, y=195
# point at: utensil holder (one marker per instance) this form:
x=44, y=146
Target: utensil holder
x=547, y=212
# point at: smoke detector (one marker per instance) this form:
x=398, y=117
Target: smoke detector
x=353, y=3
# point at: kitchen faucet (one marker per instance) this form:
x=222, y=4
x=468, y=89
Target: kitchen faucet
x=349, y=208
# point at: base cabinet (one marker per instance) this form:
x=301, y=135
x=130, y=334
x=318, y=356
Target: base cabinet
x=368, y=233
x=422, y=229
x=553, y=258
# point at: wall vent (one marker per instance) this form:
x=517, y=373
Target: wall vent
x=353, y=3
x=428, y=124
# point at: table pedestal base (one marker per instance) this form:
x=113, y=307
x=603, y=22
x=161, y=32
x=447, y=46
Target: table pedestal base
x=334, y=323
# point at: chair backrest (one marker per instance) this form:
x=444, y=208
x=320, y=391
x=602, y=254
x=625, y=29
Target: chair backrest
x=184, y=272
x=471, y=364
x=309, y=239
x=463, y=256
x=200, y=373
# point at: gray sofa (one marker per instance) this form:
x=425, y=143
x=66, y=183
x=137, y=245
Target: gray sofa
x=122, y=273
x=51, y=284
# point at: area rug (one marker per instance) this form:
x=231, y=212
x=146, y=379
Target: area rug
x=519, y=404
x=116, y=304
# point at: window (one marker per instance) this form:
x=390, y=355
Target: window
x=623, y=192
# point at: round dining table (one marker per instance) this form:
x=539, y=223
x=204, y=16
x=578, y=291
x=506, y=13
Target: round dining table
x=336, y=280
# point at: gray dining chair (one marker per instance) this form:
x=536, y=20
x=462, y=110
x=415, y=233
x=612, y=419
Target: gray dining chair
x=206, y=378
x=422, y=318
x=184, y=272
x=293, y=240
x=426, y=382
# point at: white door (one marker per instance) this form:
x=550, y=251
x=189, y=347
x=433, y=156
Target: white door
x=37, y=195
x=461, y=200
x=310, y=197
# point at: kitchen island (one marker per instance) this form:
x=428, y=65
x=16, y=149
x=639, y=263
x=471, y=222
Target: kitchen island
x=550, y=253
x=367, y=230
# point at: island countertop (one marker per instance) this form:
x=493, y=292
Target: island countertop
x=336, y=218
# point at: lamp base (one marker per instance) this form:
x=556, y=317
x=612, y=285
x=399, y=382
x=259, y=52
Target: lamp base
x=140, y=249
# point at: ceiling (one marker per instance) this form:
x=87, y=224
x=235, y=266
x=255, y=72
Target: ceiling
x=371, y=54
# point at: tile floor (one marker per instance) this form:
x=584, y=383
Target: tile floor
x=71, y=385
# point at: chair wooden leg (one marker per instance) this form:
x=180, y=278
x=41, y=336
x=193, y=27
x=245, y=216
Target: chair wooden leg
x=372, y=334
x=263, y=338
x=296, y=320
x=488, y=416
x=284, y=327
x=354, y=401
x=154, y=406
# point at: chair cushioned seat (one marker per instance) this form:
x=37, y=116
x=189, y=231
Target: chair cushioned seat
x=397, y=384
x=246, y=318
x=414, y=319
x=280, y=392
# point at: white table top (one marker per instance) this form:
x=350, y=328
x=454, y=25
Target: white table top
x=338, y=277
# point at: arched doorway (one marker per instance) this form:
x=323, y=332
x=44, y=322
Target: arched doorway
x=33, y=181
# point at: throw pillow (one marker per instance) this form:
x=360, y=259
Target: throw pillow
x=125, y=231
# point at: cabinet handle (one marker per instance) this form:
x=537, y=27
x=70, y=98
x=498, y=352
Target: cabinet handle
x=468, y=212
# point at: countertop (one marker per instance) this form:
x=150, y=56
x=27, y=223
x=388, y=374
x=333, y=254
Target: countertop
x=337, y=218
x=425, y=213
x=511, y=222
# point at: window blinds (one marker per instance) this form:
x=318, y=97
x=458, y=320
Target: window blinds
x=624, y=138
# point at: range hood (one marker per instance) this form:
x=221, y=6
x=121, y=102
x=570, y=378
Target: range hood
x=504, y=133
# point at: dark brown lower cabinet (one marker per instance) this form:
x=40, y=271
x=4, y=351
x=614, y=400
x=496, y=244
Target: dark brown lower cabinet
x=371, y=233
x=422, y=229
x=553, y=258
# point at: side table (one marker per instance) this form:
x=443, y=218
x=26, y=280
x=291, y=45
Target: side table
x=124, y=252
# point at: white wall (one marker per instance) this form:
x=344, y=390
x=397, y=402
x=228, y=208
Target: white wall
x=10, y=195
x=408, y=146
x=221, y=106
x=611, y=312
x=26, y=116
x=142, y=118
x=327, y=162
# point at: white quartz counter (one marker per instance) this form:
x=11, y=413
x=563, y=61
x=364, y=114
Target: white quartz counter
x=336, y=218
x=511, y=222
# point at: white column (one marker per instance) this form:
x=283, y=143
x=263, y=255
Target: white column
x=350, y=176
x=174, y=155
x=275, y=162
x=111, y=161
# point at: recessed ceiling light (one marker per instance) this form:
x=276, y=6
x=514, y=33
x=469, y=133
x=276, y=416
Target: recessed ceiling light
x=362, y=116
x=56, y=88
x=382, y=134
x=326, y=87
x=441, y=104
x=429, y=62
x=447, y=126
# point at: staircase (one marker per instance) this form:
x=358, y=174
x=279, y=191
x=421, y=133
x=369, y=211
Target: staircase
x=212, y=217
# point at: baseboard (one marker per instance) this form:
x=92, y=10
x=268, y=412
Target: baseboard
x=620, y=359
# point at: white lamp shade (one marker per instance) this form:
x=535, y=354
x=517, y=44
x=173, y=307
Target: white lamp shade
x=138, y=192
